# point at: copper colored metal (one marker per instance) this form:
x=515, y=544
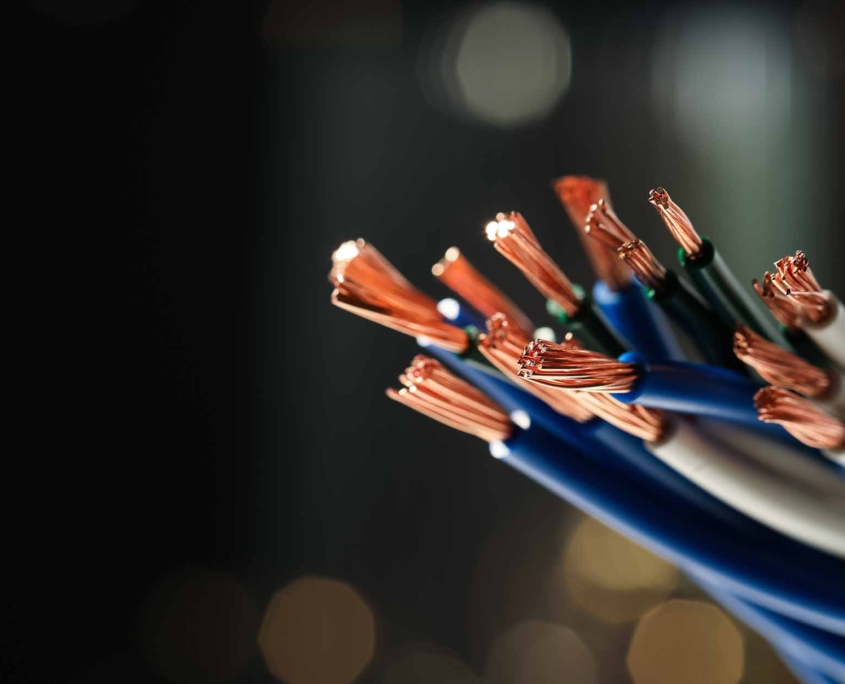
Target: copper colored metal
x=783, y=309
x=503, y=345
x=368, y=285
x=556, y=365
x=578, y=194
x=796, y=280
x=803, y=419
x=456, y=272
x=779, y=366
x=513, y=238
x=676, y=221
x=651, y=425
x=433, y=391
x=645, y=266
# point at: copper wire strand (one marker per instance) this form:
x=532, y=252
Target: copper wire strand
x=456, y=272
x=435, y=392
x=368, y=285
x=502, y=346
x=677, y=222
x=577, y=194
x=648, y=424
x=796, y=280
x=555, y=365
x=800, y=417
x=785, y=311
x=513, y=238
x=778, y=366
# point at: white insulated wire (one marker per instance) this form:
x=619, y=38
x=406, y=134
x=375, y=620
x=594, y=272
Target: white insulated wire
x=830, y=337
x=793, y=510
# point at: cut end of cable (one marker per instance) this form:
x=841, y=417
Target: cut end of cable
x=568, y=368
x=368, y=285
x=513, y=238
x=427, y=387
x=578, y=194
x=803, y=419
x=456, y=272
x=779, y=366
x=784, y=311
x=795, y=279
x=502, y=346
x=677, y=222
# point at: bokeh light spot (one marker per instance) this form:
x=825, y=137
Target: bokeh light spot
x=198, y=627
x=686, y=641
x=540, y=653
x=317, y=631
x=613, y=578
x=422, y=663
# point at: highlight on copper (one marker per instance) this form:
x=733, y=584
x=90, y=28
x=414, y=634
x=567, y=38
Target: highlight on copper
x=803, y=419
x=563, y=367
x=779, y=366
x=578, y=194
x=782, y=308
x=502, y=345
x=795, y=279
x=368, y=285
x=456, y=272
x=512, y=237
x=427, y=387
x=651, y=425
x=677, y=222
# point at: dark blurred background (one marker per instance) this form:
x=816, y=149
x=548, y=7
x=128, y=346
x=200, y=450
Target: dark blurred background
x=201, y=450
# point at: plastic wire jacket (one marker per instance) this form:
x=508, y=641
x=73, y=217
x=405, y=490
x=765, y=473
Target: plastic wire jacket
x=830, y=336
x=694, y=388
x=805, y=347
x=730, y=300
x=804, y=673
x=597, y=438
x=814, y=647
x=773, y=574
x=638, y=320
x=697, y=320
x=588, y=325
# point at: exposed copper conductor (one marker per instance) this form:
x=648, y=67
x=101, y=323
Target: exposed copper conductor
x=779, y=366
x=555, y=365
x=783, y=309
x=578, y=194
x=456, y=272
x=800, y=417
x=513, y=238
x=503, y=345
x=652, y=425
x=435, y=392
x=368, y=285
x=676, y=221
x=796, y=280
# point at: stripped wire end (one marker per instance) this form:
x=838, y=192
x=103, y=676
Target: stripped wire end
x=368, y=285
x=435, y=392
x=578, y=194
x=796, y=280
x=502, y=346
x=456, y=272
x=512, y=237
x=565, y=367
x=800, y=417
x=779, y=304
x=677, y=222
x=779, y=366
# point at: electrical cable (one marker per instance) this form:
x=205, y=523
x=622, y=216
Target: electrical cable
x=710, y=274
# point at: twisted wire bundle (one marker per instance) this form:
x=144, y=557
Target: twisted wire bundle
x=737, y=482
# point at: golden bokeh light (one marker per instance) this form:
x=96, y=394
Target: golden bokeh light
x=612, y=578
x=317, y=631
x=686, y=641
x=423, y=663
x=198, y=627
x=540, y=653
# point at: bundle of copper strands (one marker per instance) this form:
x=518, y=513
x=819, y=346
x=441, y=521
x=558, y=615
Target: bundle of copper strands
x=596, y=391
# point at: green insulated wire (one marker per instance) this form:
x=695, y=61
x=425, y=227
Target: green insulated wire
x=472, y=355
x=730, y=301
x=696, y=319
x=589, y=326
